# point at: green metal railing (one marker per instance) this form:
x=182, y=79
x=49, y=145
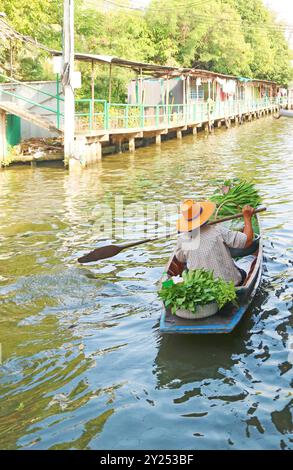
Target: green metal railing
x=55, y=111
x=92, y=115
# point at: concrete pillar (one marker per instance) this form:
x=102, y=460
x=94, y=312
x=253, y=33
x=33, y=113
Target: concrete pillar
x=219, y=123
x=94, y=153
x=3, y=144
x=131, y=144
x=158, y=139
x=179, y=134
x=118, y=145
x=87, y=151
x=194, y=130
x=206, y=127
x=80, y=151
x=98, y=151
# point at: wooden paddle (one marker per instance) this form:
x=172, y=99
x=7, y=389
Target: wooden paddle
x=108, y=251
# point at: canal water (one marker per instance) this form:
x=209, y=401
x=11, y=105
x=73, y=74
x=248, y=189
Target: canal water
x=84, y=365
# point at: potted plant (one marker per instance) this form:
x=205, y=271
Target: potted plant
x=197, y=294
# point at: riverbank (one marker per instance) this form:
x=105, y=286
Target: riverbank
x=40, y=151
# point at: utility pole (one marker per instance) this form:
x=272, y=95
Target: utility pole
x=67, y=80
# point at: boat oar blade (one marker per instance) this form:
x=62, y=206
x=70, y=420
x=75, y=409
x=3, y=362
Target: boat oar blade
x=100, y=253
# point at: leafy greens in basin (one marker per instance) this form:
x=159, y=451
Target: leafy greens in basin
x=198, y=287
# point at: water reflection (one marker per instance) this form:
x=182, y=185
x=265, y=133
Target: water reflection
x=184, y=359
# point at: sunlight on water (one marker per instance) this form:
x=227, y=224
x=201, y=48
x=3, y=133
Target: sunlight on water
x=83, y=363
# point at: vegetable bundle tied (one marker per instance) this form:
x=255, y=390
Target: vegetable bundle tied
x=232, y=195
x=198, y=287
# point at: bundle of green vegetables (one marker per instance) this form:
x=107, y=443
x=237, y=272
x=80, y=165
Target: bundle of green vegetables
x=232, y=195
x=198, y=287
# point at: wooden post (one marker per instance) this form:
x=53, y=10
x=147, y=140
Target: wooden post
x=194, y=130
x=93, y=81
x=167, y=102
x=92, y=111
x=184, y=99
x=3, y=145
x=188, y=95
x=11, y=59
x=68, y=70
x=141, y=94
x=179, y=134
x=110, y=84
x=209, y=105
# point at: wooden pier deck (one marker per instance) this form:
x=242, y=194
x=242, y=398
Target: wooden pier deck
x=177, y=119
x=102, y=127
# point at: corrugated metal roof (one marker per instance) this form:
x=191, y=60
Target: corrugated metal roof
x=158, y=70
x=107, y=59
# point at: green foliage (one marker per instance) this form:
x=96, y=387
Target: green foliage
x=239, y=37
x=232, y=195
x=199, y=287
x=40, y=20
x=271, y=54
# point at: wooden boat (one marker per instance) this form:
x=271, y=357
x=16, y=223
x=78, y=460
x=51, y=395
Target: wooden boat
x=226, y=319
x=286, y=113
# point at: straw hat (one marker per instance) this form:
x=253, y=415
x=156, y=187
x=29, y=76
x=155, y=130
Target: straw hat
x=194, y=214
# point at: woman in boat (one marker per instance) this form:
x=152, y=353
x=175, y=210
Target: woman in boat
x=204, y=246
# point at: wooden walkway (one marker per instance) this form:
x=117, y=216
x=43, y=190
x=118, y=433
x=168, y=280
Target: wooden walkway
x=89, y=142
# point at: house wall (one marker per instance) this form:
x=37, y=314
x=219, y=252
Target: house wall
x=154, y=91
x=221, y=89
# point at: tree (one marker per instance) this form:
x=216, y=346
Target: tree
x=40, y=20
x=271, y=54
x=239, y=37
x=228, y=36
